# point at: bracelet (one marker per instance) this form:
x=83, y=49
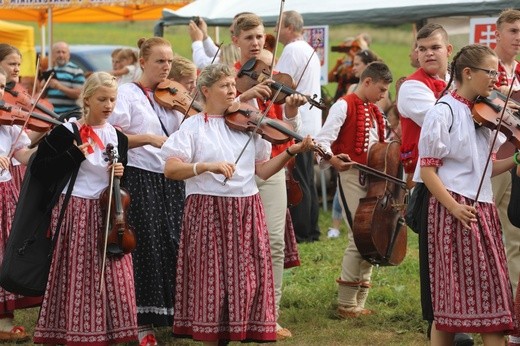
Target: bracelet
x=195, y=169
x=289, y=153
x=515, y=158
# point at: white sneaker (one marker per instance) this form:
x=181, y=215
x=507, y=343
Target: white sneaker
x=333, y=233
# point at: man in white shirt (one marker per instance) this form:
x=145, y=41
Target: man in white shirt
x=293, y=61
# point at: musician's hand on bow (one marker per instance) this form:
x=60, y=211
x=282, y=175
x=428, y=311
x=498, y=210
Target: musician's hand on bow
x=222, y=167
x=4, y=162
x=118, y=169
x=341, y=162
x=292, y=103
x=303, y=146
x=466, y=214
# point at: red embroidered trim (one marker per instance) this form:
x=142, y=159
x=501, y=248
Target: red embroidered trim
x=430, y=162
x=462, y=99
x=365, y=113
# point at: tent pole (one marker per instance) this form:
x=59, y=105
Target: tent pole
x=50, y=31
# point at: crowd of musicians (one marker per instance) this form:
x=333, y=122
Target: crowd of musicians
x=207, y=190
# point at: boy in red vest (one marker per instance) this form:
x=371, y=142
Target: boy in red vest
x=353, y=122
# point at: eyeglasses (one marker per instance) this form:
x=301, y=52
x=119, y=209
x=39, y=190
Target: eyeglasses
x=491, y=73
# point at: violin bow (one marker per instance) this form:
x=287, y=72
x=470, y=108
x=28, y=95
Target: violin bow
x=497, y=130
x=282, y=2
x=33, y=106
x=255, y=129
x=196, y=89
x=315, y=47
x=109, y=210
x=36, y=76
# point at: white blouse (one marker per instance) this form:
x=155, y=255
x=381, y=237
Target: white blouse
x=93, y=175
x=452, y=143
x=204, y=138
x=135, y=114
x=8, y=135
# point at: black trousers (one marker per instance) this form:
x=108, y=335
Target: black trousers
x=305, y=214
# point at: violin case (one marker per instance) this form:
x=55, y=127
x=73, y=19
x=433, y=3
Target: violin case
x=28, y=254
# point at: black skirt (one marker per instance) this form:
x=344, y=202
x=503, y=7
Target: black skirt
x=155, y=214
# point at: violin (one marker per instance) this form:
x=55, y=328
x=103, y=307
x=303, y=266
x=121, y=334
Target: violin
x=120, y=239
x=379, y=227
x=294, y=189
x=255, y=71
x=15, y=115
x=487, y=111
x=173, y=95
x=244, y=117
x=17, y=95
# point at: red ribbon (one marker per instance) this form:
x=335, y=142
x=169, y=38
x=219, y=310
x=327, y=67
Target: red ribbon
x=86, y=133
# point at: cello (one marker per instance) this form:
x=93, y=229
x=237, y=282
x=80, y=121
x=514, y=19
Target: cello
x=379, y=227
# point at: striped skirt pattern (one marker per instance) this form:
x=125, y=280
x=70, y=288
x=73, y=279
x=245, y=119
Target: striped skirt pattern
x=225, y=288
x=8, y=199
x=74, y=311
x=469, y=280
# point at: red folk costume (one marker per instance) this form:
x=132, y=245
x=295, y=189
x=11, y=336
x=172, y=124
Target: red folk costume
x=410, y=129
x=353, y=138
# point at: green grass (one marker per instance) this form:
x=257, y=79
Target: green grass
x=309, y=296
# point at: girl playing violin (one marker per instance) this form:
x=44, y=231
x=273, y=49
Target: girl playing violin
x=8, y=198
x=224, y=247
x=249, y=37
x=157, y=203
x=10, y=61
x=469, y=281
x=77, y=309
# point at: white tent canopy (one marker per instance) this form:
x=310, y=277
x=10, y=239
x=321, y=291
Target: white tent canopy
x=221, y=12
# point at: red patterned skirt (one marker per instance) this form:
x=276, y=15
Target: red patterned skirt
x=8, y=198
x=469, y=280
x=17, y=174
x=225, y=288
x=74, y=311
x=292, y=257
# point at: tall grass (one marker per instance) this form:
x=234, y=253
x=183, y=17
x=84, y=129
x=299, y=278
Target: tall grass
x=309, y=296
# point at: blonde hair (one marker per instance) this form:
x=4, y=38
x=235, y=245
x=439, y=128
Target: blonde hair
x=509, y=15
x=93, y=82
x=181, y=67
x=229, y=54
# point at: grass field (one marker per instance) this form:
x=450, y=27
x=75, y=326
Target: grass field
x=309, y=296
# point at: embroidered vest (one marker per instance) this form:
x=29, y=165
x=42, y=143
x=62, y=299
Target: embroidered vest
x=353, y=136
x=410, y=130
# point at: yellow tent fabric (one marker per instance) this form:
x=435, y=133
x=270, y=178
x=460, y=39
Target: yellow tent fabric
x=86, y=11
x=22, y=37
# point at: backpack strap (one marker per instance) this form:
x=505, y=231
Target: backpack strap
x=69, y=190
x=451, y=111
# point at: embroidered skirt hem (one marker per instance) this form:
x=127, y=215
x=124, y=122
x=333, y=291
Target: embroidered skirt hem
x=469, y=280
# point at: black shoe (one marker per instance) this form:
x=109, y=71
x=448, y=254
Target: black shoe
x=462, y=339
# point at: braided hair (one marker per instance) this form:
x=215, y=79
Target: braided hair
x=468, y=56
